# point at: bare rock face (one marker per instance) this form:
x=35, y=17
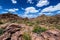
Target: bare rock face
x=51, y=35
x=48, y=35
x=12, y=32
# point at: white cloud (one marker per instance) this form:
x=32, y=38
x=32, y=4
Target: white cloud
x=29, y=1
x=42, y=3
x=29, y=16
x=52, y=8
x=12, y=10
x=14, y=1
x=31, y=10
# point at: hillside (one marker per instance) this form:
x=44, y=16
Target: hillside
x=14, y=27
x=9, y=17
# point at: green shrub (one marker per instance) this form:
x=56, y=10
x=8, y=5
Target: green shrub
x=38, y=22
x=1, y=31
x=1, y=23
x=58, y=27
x=30, y=23
x=26, y=36
x=39, y=29
x=13, y=21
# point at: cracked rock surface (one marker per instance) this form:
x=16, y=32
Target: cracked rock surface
x=15, y=32
x=11, y=32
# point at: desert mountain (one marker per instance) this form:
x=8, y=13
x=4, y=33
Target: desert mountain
x=13, y=27
x=9, y=16
x=48, y=19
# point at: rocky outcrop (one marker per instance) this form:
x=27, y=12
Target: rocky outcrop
x=51, y=35
x=48, y=35
x=12, y=32
x=16, y=31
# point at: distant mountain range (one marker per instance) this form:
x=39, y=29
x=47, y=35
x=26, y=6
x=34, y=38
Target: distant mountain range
x=43, y=18
x=14, y=27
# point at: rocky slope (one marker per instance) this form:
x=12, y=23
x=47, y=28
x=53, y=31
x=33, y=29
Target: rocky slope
x=48, y=19
x=9, y=16
x=11, y=32
x=47, y=35
x=16, y=32
x=40, y=28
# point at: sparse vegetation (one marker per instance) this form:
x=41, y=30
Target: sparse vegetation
x=1, y=22
x=38, y=29
x=13, y=21
x=58, y=27
x=26, y=36
x=29, y=23
x=1, y=31
x=33, y=26
x=38, y=22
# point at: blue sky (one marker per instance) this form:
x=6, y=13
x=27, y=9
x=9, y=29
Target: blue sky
x=30, y=8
